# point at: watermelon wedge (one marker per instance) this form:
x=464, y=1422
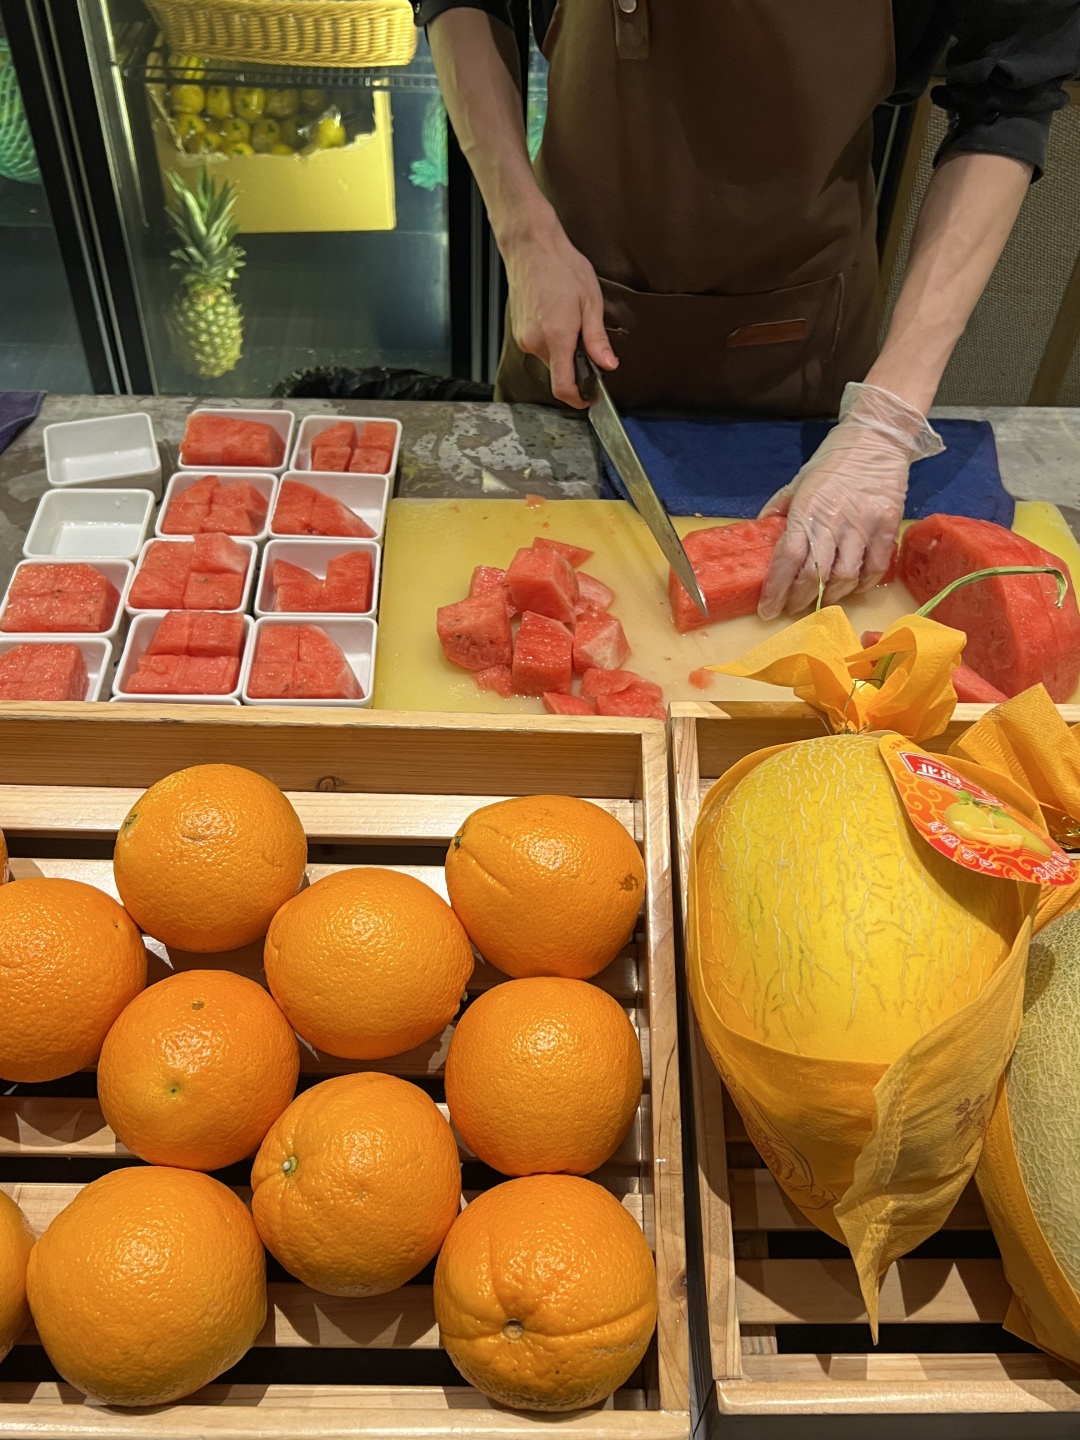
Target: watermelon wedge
x=543, y=582
x=330, y=517
x=599, y=643
x=730, y=562
x=574, y=553
x=543, y=655
x=475, y=633
x=301, y=662
x=556, y=704
x=292, y=513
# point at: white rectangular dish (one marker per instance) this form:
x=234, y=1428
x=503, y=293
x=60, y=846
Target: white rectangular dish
x=249, y=576
x=119, y=572
x=314, y=555
x=313, y=425
x=357, y=640
x=97, y=653
x=105, y=451
x=143, y=629
x=367, y=496
x=263, y=480
x=283, y=421
x=72, y=524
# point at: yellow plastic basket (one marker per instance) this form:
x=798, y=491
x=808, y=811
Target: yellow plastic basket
x=290, y=32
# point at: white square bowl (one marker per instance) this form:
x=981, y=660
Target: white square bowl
x=97, y=652
x=118, y=571
x=283, y=421
x=263, y=480
x=109, y=450
x=314, y=555
x=71, y=524
x=242, y=541
x=313, y=425
x=143, y=629
x=365, y=495
x=357, y=640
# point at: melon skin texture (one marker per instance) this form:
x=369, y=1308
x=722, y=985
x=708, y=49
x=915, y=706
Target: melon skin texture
x=829, y=928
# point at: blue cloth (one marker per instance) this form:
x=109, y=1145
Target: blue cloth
x=17, y=409
x=708, y=467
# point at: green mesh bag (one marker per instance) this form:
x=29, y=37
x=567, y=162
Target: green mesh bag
x=17, y=158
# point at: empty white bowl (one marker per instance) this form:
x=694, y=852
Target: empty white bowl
x=143, y=629
x=263, y=480
x=118, y=571
x=283, y=421
x=357, y=640
x=72, y=524
x=365, y=495
x=313, y=425
x=243, y=542
x=314, y=555
x=104, y=451
x=97, y=653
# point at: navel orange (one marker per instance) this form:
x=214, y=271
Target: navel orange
x=367, y=963
x=15, y=1243
x=545, y=885
x=196, y=1070
x=545, y=1293
x=543, y=1074
x=150, y=1284
x=70, y=960
x=356, y=1185
x=207, y=855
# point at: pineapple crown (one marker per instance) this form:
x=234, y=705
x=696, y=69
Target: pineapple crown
x=203, y=222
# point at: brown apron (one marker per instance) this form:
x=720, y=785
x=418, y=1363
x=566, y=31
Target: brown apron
x=711, y=158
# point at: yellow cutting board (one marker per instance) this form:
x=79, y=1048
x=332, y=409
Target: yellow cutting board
x=432, y=547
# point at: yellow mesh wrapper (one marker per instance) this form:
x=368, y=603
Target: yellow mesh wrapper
x=1027, y=741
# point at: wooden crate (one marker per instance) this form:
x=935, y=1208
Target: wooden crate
x=761, y=1273
x=370, y=788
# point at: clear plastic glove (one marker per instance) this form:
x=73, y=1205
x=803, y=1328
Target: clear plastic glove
x=845, y=505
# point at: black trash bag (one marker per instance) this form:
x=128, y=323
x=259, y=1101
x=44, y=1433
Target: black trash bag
x=377, y=383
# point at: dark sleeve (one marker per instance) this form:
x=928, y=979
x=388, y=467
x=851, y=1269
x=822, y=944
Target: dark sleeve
x=1004, y=75
x=426, y=10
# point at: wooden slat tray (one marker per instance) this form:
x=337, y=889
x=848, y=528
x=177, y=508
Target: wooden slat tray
x=379, y=789
x=761, y=1273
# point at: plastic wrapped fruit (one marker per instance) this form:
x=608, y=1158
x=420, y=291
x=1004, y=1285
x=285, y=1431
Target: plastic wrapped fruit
x=313, y=100
x=186, y=67
x=264, y=134
x=294, y=133
x=249, y=102
x=186, y=99
x=206, y=143
x=234, y=131
x=328, y=132
x=282, y=103
x=237, y=147
x=189, y=126
x=219, y=102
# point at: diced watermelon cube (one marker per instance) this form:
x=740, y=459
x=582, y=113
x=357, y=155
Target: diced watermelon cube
x=43, y=672
x=593, y=594
x=543, y=582
x=543, y=653
x=250, y=445
x=607, y=682
x=475, y=633
x=366, y=461
x=201, y=492
x=279, y=643
x=60, y=597
x=497, y=678
x=568, y=705
x=349, y=584
x=322, y=671
x=229, y=520
x=168, y=557
x=490, y=580
x=184, y=518
x=637, y=701
x=730, y=562
x=292, y=513
x=271, y=679
x=158, y=590
x=207, y=590
x=331, y=458
x=599, y=643
x=331, y=517
x=574, y=553
x=214, y=634
x=204, y=439
x=173, y=635
x=209, y=674
x=244, y=494
x=157, y=675
x=217, y=554
x=13, y=667
x=336, y=437
x=293, y=597
x=379, y=435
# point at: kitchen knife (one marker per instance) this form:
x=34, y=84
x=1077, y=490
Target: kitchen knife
x=608, y=429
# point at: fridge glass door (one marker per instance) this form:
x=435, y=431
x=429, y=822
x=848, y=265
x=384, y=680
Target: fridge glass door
x=40, y=347
x=339, y=185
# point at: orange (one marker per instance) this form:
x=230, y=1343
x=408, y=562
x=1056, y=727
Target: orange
x=15, y=1243
x=207, y=856
x=150, y=1284
x=543, y=1074
x=70, y=960
x=356, y=1185
x=197, y=1069
x=367, y=963
x=545, y=1293
x=545, y=885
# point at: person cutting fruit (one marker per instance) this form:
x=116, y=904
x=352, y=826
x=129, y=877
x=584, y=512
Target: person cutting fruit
x=702, y=216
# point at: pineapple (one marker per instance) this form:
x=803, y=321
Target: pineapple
x=206, y=317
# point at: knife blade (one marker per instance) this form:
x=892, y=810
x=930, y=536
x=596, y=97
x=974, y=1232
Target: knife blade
x=608, y=429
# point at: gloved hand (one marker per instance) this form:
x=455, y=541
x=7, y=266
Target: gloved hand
x=845, y=505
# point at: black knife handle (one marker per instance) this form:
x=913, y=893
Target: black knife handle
x=584, y=375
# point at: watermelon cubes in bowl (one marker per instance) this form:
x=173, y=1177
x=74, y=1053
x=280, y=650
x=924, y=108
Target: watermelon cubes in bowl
x=330, y=507
x=56, y=668
x=64, y=597
x=236, y=503
x=190, y=656
x=206, y=572
x=326, y=661
x=333, y=577
x=349, y=444
x=233, y=439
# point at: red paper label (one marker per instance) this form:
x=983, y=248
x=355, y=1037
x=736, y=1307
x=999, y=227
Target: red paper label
x=967, y=824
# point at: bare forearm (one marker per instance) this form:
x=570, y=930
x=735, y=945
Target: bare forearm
x=966, y=217
x=477, y=64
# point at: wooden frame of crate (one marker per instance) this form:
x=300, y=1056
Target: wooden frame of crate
x=370, y=788
x=750, y=1291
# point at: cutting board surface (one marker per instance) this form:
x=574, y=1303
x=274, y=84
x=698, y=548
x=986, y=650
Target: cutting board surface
x=432, y=547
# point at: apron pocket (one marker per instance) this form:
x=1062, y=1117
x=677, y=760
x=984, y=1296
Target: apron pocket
x=769, y=354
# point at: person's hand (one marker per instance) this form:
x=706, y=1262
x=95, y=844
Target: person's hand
x=555, y=297
x=845, y=505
